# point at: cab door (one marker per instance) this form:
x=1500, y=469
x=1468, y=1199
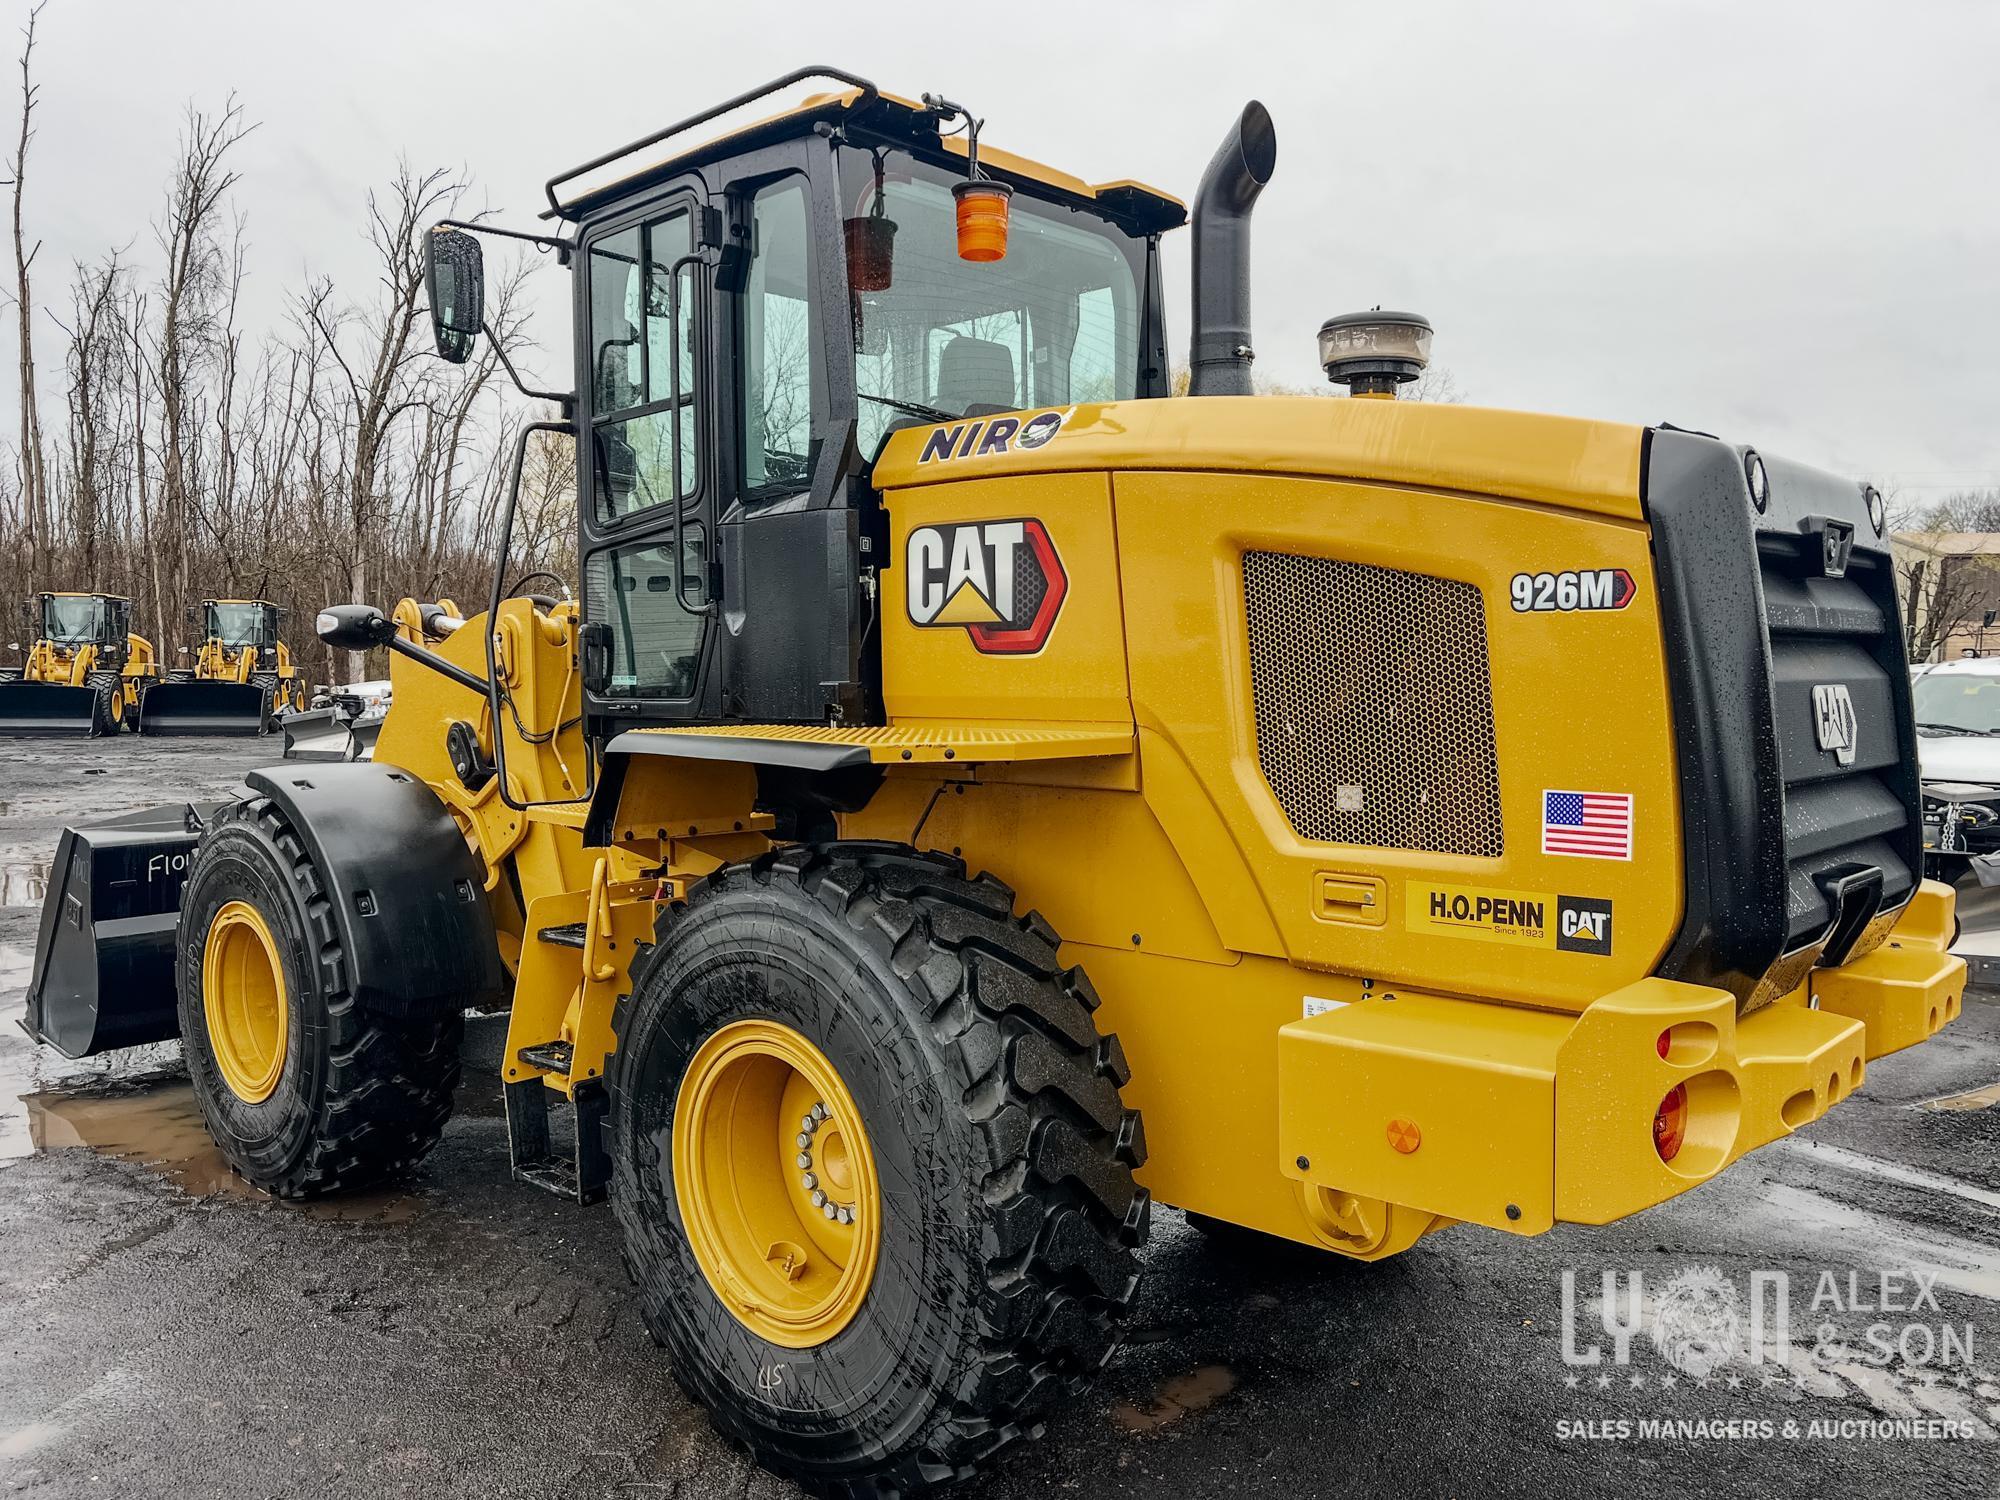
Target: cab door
x=644, y=463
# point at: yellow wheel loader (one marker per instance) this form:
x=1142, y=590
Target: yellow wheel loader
x=83, y=671
x=1418, y=816
x=242, y=678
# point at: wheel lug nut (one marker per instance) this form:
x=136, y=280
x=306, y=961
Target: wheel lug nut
x=804, y=1160
x=804, y=1140
x=830, y=1211
x=811, y=1181
x=808, y=1121
x=847, y=1216
x=818, y=1199
x=820, y=1111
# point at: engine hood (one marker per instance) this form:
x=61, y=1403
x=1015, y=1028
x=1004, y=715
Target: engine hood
x=1565, y=461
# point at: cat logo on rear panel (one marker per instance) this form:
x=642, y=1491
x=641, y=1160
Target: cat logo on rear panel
x=1000, y=582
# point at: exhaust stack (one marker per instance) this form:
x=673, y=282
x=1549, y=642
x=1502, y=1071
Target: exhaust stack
x=1219, y=351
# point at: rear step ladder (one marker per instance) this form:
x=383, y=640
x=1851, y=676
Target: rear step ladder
x=580, y=1174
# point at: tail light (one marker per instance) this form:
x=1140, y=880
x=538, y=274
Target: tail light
x=1670, y=1123
x=1671, y=1118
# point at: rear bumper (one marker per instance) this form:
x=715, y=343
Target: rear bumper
x=1516, y=1119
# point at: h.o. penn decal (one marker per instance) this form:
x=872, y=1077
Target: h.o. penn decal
x=977, y=439
x=1001, y=582
x=1523, y=919
x=1562, y=593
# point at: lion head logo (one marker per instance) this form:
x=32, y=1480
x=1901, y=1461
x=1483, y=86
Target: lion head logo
x=1697, y=1324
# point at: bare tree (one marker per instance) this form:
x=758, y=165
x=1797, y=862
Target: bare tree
x=34, y=473
x=194, y=293
x=1948, y=583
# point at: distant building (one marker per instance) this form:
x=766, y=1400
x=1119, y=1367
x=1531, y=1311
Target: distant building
x=1950, y=584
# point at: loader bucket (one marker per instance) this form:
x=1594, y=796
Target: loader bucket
x=365, y=731
x=46, y=708
x=104, y=956
x=203, y=708
x=317, y=734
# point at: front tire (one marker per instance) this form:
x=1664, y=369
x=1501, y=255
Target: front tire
x=305, y=1093
x=1002, y=1232
x=107, y=707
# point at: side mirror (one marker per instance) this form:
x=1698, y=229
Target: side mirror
x=354, y=627
x=455, y=275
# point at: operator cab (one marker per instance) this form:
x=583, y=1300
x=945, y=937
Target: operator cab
x=754, y=316
x=71, y=620
x=240, y=623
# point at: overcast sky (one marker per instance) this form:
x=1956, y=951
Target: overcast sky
x=1777, y=220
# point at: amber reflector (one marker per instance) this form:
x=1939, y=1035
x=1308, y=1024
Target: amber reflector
x=982, y=219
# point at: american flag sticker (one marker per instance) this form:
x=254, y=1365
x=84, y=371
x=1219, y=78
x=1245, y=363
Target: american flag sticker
x=1590, y=825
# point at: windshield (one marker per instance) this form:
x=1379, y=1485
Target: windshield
x=1053, y=322
x=72, y=621
x=237, y=625
x=1946, y=700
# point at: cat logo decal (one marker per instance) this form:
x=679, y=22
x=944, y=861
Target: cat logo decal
x=1001, y=582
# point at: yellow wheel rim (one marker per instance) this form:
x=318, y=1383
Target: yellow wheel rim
x=118, y=706
x=776, y=1183
x=243, y=1001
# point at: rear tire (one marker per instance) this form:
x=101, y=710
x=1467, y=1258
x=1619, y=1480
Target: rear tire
x=107, y=708
x=1003, y=1160
x=358, y=1098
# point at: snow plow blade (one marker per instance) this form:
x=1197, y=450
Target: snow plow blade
x=317, y=734
x=104, y=955
x=203, y=708
x=46, y=708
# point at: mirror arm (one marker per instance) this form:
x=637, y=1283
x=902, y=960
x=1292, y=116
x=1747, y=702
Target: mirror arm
x=563, y=248
x=565, y=400
x=439, y=665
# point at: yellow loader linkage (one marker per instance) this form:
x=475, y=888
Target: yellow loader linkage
x=975, y=795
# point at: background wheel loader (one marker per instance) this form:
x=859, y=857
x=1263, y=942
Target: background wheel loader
x=84, y=671
x=960, y=752
x=242, y=678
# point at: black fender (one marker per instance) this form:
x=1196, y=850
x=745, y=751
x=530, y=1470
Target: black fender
x=407, y=892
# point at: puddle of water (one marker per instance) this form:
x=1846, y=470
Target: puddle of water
x=1961, y=1265
x=1984, y=1098
x=27, y=1439
x=1183, y=1394
x=158, y=1125
x=23, y=882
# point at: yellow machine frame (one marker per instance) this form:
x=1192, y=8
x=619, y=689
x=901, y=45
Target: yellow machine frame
x=1111, y=779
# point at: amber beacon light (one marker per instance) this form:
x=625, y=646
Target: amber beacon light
x=982, y=202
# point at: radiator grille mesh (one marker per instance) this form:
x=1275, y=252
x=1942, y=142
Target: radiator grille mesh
x=1374, y=704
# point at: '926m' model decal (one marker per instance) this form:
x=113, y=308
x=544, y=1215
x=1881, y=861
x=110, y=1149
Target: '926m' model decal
x=1593, y=588
x=1000, y=582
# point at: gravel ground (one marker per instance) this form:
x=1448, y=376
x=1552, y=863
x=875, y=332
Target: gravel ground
x=166, y=1332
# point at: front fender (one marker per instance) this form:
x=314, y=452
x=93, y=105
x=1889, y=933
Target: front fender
x=407, y=893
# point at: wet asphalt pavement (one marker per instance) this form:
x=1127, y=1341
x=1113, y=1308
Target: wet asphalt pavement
x=166, y=1332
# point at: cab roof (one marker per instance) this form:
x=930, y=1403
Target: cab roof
x=907, y=122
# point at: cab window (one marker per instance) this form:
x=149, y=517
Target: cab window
x=645, y=400
x=779, y=337
x=1055, y=321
